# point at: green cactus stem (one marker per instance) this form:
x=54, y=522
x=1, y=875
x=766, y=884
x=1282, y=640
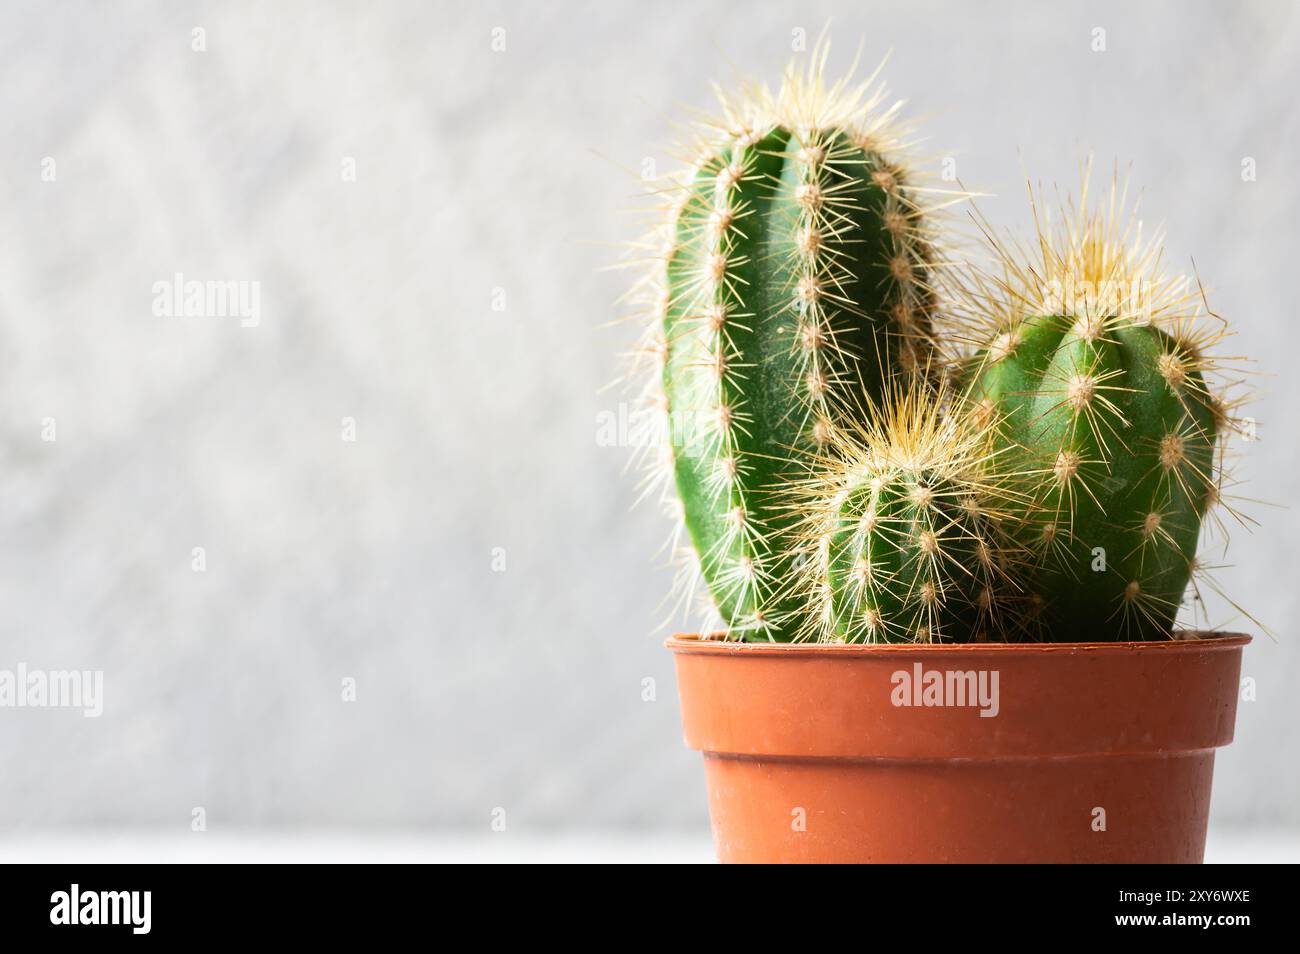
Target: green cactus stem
x=1098, y=371
x=795, y=277
x=903, y=530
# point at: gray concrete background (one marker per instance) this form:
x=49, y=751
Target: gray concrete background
x=476, y=429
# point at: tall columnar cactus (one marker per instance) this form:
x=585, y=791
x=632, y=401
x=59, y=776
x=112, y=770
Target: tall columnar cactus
x=1097, y=369
x=903, y=529
x=794, y=275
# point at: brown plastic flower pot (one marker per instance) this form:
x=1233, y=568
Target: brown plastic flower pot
x=1086, y=752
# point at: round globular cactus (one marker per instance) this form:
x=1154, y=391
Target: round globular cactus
x=1097, y=369
x=794, y=275
x=903, y=532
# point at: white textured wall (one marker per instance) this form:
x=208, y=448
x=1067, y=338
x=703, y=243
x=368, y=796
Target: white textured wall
x=478, y=170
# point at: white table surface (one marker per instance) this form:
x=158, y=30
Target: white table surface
x=331, y=846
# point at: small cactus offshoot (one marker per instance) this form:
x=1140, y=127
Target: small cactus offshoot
x=903, y=533
x=1096, y=370
x=794, y=273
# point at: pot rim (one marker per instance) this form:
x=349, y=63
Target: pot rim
x=1185, y=641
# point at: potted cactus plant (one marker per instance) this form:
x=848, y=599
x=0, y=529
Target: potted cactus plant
x=945, y=514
